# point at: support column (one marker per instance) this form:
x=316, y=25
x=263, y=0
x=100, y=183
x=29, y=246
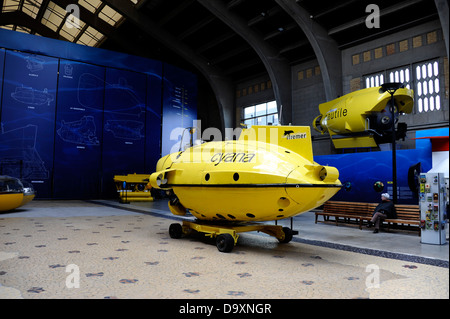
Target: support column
x=443, y=10
x=325, y=48
x=277, y=67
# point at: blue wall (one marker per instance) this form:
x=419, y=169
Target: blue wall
x=73, y=116
x=362, y=170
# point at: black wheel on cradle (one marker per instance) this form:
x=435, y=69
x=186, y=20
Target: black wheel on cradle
x=225, y=243
x=175, y=231
x=287, y=235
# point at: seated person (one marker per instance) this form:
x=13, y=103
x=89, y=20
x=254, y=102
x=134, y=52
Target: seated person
x=385, y=209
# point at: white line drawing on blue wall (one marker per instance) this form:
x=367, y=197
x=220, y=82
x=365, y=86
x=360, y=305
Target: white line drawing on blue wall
x=18, y=154
x=34, y=63
x=82, y=132
x=130, y=130
x=88, y=83
x=68, y=69
x=30, y=96
x=125, y=99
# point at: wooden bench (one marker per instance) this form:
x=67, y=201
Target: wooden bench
x=360, y=212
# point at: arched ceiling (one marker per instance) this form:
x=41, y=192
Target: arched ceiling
x=210, y=34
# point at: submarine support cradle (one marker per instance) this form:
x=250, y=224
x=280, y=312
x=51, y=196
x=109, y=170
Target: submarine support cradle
x=227, y=236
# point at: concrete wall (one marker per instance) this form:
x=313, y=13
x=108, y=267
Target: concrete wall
x=406, y=48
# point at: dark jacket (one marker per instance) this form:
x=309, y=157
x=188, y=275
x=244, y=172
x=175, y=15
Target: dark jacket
x=388, y=208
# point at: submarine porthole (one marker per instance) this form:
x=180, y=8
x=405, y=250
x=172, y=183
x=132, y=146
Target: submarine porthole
x=279, y=216
x=281, y=210
x=283, y=202
x=207, y=177
x=236, y=177
x=220, y=216
x=251, y=215
x=231, y=216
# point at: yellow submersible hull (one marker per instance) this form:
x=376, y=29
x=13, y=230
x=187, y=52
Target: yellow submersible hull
x=268, y=174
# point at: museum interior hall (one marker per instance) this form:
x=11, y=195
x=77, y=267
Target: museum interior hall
x=223, y=157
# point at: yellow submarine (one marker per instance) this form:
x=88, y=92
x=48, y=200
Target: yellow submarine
x=363, y=118
x=267, y=174
x=13, y=194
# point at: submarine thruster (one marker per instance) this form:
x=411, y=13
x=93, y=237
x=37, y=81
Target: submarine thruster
x=363, y=118
x=267, y=174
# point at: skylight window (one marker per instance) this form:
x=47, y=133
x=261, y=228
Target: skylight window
x=91, y=5
x=90, y=37
x=70, y=30
x=10, y=5
x=56, y=18
x=31, y=7
x=53, y=16
x=110, y=15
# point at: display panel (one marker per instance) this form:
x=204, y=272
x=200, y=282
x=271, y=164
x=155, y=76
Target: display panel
x=28, y=118
x=363, y=170
x=153, y=122
x=79, y=122
x=2, y=62
x=56, y=146
x=179, y=107
x=123, y=126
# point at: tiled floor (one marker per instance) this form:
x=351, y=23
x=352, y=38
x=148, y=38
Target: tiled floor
x=110, y=250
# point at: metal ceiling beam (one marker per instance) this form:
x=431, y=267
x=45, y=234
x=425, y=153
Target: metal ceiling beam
x=264, y=15
x=176, y=11
x=215, y=42
x=325, y=48
x=443, y=10
x=277, y=66
x=196, y=27
x=293, y=46
x=22, y=19
x=230, y=54
x=392, y=9
x=220, y=83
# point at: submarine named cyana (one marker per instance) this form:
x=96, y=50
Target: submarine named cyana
x=363, y=118
x=267, y=174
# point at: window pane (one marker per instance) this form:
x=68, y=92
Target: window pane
x=249, y=122
x=424, y=71
x=430, y=87
x=272, y=119
x=438, y=102
x=261, y=120
x=272, y=107
x=430, y=70
x=419, y=89
x=261, y=109
x=420, y=106
x=436, y=85
x=425, y=88
x=425, y=104
x=249, y=112
x=436, y=68
x=418, y=73
x=431, y=104
x=407, y=78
